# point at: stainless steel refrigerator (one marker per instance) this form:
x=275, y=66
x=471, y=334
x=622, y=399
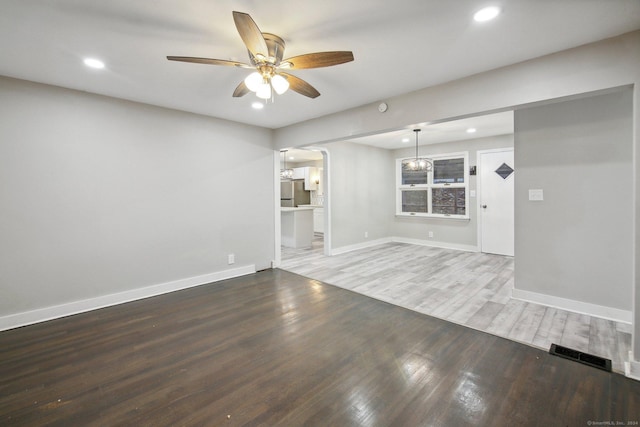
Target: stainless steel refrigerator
x=293, y=194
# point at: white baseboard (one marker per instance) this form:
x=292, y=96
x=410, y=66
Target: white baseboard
x=54, y=312
x=601, y=311
x=435, y=244
x=364, y=245
x=632, y=368
x=357, y=246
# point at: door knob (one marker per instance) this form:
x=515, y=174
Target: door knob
x=484, y=206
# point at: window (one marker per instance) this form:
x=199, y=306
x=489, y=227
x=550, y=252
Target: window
x=442, y=192
x=448, y=171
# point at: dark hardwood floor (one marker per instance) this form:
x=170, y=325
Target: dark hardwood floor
x=276, y=348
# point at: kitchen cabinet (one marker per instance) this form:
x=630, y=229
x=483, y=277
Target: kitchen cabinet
x=298, y=173
x=296, y=226
x=311, y=178
x=318, y=220
x=310, y=175
x=318, y=217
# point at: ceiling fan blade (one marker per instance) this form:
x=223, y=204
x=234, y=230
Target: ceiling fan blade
x=241, y=90
x=318, y=60
x=300, y=86
x=250, y=34
x=209, y=61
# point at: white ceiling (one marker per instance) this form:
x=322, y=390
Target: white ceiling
x=456, y=130
x=297, y=155
x=399, y=46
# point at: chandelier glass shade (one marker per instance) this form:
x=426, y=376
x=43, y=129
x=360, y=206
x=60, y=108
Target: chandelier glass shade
x=284, y=172
x=417, y=163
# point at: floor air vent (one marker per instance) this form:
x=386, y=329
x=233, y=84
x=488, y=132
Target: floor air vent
x=578, y=356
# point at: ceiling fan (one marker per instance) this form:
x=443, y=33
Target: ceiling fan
x=265, y=54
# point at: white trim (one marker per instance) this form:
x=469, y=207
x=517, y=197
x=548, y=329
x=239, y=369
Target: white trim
x=326, y=177
x=358, y=246
x=436, y=244
x=54, y=312
x=277, y=224
x=326, y=164
x=429, y=216
x=632, y=368
x=430, y=186
x=581, y=307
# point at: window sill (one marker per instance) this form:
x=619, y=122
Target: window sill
x=432, y=216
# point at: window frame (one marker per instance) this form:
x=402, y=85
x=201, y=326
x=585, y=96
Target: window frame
x=429, y=186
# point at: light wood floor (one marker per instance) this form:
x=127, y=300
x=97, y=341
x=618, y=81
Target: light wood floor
x=471, y=289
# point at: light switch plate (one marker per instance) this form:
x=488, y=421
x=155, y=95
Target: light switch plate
x=536, y=195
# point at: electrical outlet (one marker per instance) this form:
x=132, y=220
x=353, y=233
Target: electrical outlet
x=431, y=234
x=536, y=195
x=366, y=234
x=232, y=258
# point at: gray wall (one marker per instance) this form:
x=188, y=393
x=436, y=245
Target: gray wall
x=578, y=242
x=454, y=232
x=100, y=196
x=610, y=63
x=362, y=195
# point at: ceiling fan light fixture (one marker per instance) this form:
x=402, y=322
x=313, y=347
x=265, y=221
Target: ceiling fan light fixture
x=264, y=91
x=280, y=84
x=253, y=81
x=266, y=51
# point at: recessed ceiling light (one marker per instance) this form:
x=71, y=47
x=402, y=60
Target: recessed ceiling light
x=471, y=130
x=93, y=63
x=291, y=158
x=257, y=105
x=405, y=139
x=486, y=14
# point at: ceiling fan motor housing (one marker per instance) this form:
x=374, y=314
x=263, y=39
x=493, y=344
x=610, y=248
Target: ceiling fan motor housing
x=275, y=45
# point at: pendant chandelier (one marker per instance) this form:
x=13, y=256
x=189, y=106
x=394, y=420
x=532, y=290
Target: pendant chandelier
x=417, y=163
x=284, y=172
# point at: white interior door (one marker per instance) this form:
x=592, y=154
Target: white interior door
x=496, y=183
